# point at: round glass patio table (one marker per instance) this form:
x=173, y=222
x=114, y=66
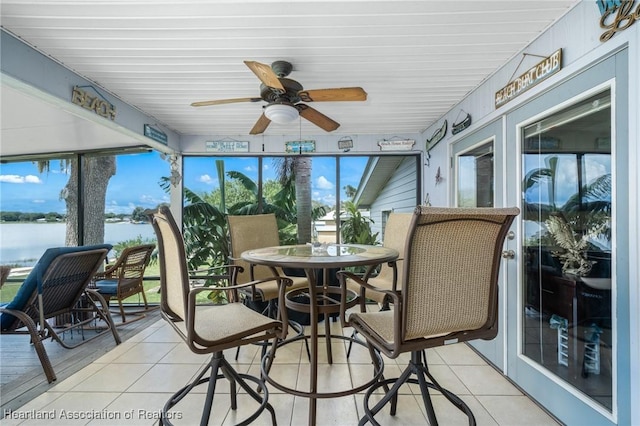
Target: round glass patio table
x=312, y=258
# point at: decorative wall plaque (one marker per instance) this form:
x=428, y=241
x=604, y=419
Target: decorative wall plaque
x=396, y=144
x=542, y=70
x=437, y=136
x=345, y=143
x=227, y=145
x=300, y=147
x=155, y=134
x=96, y=103
x=458, y=127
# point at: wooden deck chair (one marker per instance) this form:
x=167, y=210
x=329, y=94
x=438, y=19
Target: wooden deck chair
x=124, y=278
x=56, y=289
x=449, y=295
x=213, y=327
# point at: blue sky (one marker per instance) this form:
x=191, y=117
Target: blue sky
x=23, y=188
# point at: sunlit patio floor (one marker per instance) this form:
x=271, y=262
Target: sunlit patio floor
x=129, y=384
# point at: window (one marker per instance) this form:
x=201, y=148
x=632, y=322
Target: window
x=475, y=177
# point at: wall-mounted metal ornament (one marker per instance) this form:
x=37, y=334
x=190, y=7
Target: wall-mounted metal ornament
x=458, y=127
x=97, y=104
x=175, y=177
x=436, y=137
x=439, y=177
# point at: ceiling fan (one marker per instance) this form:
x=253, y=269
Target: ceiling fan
x=285, y=98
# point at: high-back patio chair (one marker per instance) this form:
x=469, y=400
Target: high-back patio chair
x=389, y=277
x=253, y=232
x=56, y=289
x=211, y=328
x=124, y=278
x=449, y=295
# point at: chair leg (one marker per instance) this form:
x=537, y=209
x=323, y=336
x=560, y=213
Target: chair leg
x=220, y=368
x=124, y=318
x=36, y=340
x=417, y=366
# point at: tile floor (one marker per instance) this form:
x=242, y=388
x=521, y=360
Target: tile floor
x=131, y=383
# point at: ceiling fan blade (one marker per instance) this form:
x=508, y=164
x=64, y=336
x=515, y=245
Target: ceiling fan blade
x=261, y=125
x=333, y=95
x=317, y=118
x=265, y=74
x=224, y=101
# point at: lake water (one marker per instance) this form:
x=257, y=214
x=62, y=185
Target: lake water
x=24, y=243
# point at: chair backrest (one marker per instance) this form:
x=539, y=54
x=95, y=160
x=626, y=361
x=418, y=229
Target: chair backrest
x=252, y=232
x=60, y=276
x=174, y=276
x=452, y=261
x=395, y=237
x=133, y=261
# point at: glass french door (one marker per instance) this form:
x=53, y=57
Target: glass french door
x=478, y=173
x=563, y=156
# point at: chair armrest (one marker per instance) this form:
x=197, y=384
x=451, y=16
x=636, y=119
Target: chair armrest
x=215, y=273
x=364, y=285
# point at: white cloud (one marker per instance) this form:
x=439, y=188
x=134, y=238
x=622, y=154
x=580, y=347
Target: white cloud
x=20, y=179
x=323, y=183
x=38, y=201
x=206, y=179
x=152, y=201
x=249, y=169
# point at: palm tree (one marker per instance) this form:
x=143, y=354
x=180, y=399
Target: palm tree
x=298, y=170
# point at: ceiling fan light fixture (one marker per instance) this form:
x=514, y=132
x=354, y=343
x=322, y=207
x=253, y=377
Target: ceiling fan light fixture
x=281, y=113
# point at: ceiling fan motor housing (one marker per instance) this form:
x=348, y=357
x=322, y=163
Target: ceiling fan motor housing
x=290, y=95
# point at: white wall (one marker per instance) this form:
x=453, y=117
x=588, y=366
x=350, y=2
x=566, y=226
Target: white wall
x=275, y=144
x=577, y=33
x=398, y=195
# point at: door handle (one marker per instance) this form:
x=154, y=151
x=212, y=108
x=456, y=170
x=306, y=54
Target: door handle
x=509, y=254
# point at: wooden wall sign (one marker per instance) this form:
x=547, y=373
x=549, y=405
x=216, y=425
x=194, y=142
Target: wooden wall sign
x=545, y=68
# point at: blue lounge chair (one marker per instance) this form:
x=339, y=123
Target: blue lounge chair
x=57, y=288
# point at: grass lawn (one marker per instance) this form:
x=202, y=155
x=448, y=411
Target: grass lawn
x=151, y=286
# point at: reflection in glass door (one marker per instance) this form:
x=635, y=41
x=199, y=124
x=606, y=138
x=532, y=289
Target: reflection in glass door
x=567, y=248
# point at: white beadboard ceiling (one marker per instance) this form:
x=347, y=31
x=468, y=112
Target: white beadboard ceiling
x=415, y=59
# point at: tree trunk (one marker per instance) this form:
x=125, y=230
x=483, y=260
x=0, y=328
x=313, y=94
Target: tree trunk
x=96, y=174
x=302, y=171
